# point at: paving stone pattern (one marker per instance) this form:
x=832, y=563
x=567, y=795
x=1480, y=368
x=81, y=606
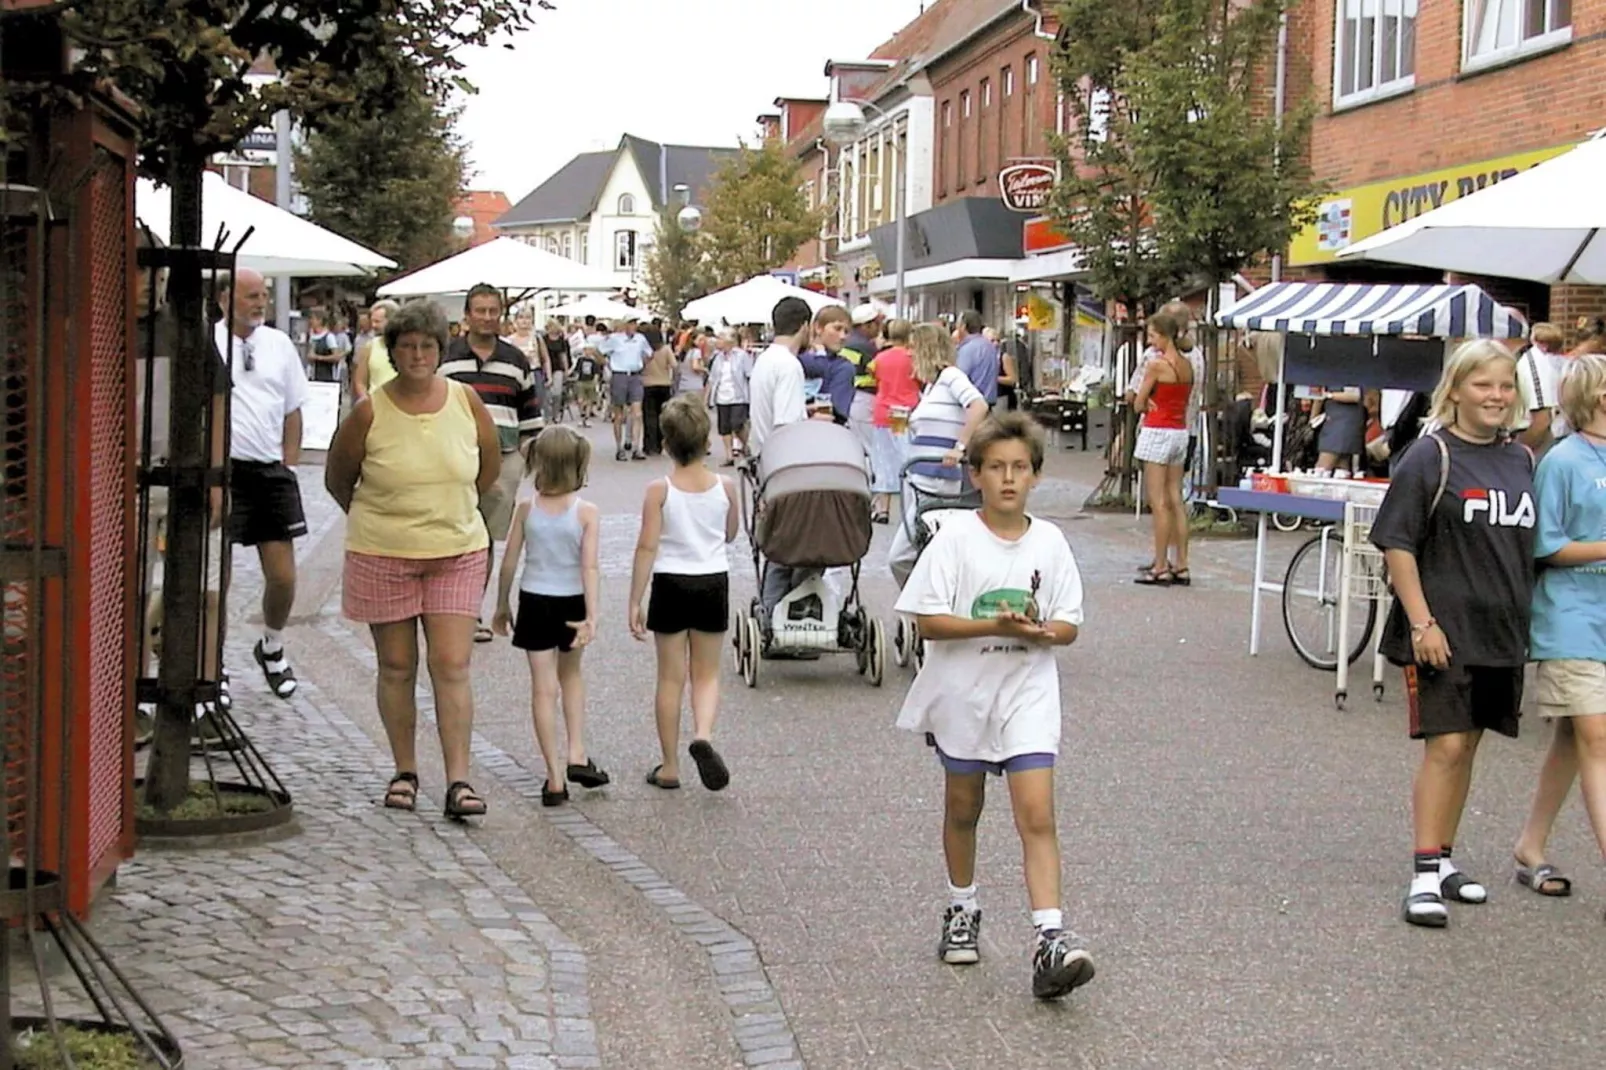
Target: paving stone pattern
x=759, y=1023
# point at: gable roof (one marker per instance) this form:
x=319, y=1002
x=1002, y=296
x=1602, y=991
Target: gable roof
x=572, y=193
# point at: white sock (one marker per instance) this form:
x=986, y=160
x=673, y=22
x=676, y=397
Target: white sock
x=964, y=898
x=272, y=641
x=1425, y=882
x=1048, y=920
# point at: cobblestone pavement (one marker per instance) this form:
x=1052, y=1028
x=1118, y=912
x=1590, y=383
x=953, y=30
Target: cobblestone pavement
x=1234, y=852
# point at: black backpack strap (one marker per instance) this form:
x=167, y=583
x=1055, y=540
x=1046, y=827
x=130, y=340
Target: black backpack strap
x=1444, y=471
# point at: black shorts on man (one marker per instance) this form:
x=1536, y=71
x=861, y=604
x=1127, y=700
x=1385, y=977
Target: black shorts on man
x=264, y=503
x=732, y=418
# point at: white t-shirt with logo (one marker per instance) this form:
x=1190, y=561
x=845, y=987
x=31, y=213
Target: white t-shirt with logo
x=273, y=387
x=990, y=699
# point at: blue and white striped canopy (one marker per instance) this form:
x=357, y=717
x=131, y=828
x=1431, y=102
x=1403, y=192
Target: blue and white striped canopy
x=1374, y=309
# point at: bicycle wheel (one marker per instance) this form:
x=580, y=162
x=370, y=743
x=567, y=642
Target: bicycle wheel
x=1311, y=590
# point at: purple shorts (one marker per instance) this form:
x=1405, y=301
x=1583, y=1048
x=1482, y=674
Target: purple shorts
x=1018, y=763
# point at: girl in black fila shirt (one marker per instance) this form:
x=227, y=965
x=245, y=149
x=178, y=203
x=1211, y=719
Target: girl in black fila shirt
x=1457, y=531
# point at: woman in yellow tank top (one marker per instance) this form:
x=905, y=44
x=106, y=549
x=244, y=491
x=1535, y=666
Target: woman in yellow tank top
x=373, y=368
x=408, y=466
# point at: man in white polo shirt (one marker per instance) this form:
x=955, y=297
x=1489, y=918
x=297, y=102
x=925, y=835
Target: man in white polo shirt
x=269, y=388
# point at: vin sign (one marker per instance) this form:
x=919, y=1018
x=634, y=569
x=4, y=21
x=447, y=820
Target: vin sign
x=1025, y=186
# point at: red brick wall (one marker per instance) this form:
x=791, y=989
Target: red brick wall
x=1451, y=118
x=1001, y=126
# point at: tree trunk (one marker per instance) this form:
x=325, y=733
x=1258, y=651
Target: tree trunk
x=167, y=778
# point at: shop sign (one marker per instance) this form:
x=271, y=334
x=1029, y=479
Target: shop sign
x=1025, y=186
x=1362, y=211
x=1039, y=236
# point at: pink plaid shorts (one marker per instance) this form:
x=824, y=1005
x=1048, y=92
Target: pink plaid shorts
x=383, y=590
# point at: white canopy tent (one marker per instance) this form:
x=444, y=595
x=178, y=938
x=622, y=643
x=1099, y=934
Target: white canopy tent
x=509, y=265
x=281, y=242
x=1543, y=225
x=751, y=301
x=604, y=308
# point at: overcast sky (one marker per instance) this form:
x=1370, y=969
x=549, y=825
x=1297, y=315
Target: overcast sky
x=691, y=72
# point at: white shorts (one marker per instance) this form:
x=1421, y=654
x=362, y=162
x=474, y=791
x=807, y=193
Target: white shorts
x=1161, y=445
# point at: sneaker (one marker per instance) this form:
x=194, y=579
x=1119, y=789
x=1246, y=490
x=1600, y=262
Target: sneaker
x=1059, y=964
x=225, y=701
x=276, y=668
x=638, y=456
x=961, y=931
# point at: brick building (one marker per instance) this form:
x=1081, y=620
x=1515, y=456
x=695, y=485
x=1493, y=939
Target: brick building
x=1424, y=101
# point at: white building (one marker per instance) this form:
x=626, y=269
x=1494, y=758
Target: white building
x=601, y=208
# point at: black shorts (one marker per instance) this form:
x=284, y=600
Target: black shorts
x=732, y=418
x=264, y=504
x=543, y=621
x=689, y=603
x=1463, y=698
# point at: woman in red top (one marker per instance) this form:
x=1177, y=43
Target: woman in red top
x=1163, y=448
x=895, y=385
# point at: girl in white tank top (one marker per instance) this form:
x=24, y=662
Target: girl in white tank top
x=687, y=520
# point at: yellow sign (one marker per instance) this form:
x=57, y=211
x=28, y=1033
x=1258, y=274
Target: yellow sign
x=1362, y=211
x=1040, y=314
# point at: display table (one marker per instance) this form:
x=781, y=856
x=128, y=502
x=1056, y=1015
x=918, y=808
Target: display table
x=1266, y=501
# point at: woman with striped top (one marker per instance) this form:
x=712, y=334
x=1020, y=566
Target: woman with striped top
x=950, y=410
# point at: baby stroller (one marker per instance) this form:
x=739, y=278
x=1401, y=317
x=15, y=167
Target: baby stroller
x=923, y=514
x=808, y=507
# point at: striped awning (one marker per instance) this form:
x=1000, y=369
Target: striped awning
x=1426, y=311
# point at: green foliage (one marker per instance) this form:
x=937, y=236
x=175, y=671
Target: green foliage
x=673, y=271
x=756, y=216
x=390, y=179
x=185, y=62
x=1171, y=171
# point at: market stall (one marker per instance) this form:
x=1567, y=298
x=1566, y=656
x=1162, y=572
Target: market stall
x=1368, y=336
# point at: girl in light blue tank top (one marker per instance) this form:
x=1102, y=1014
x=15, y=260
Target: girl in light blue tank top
x=554, y=538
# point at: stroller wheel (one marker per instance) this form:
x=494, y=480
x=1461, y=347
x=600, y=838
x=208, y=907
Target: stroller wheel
x=739, y=644
x=919, y=649
x=750, y=662
x=877, y=653
x=900, y=644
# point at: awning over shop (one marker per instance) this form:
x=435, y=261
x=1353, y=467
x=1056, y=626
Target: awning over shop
x=1326, y=308
x=963, y=229
x=1060, y=266
x=973, y=268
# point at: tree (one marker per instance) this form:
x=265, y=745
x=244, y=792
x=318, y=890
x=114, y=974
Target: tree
x=1174, y=174
x=389, y=179
x=185, y=64
x=756, y=216
x=674, y=270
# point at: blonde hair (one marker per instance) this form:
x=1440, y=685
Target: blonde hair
x=1548, y=336
x=1582, y=387
x=897, y=331
x=1171, y=326
x=1470, y=357
x=1184, y=338
x=932, y=350
x=559, y=458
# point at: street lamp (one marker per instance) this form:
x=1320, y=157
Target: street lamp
x=463, y=227
x=844, y=123
x=689, y=218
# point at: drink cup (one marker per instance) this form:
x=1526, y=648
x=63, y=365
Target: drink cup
x=900, y=419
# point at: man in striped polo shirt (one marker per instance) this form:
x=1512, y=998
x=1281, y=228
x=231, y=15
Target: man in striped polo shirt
x=501, y=374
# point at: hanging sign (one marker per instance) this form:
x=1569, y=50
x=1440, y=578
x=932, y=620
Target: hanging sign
x=1025, y=186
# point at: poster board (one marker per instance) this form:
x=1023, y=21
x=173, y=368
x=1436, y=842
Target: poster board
x=320, y=415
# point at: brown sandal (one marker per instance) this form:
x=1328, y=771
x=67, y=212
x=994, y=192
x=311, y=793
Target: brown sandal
x=463, y=801
x=402, y=794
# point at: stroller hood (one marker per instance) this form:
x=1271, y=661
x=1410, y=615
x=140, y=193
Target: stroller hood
x=813, y=497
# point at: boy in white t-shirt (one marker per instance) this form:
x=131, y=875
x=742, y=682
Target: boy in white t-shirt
x=995, y=592
x=1539, y=375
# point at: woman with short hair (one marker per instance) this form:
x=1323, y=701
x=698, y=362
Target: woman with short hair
x=1457, y=534
x=895, y=388
x=408, y=466
x=728, y=376
x=374, y=369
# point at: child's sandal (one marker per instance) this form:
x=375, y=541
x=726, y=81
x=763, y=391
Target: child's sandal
x=1155, y=578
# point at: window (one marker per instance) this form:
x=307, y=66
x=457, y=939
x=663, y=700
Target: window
x=1498, y=30
x=942, y=148
x=986, y=92
x=960, y=166
x=1031, y=69
x=1009, y=81
x=585, y=247
x=981, y=134
x=568, y=244
x=627, y=206
x=964, y=104
x=624, y=250
x=1375, y=54
x=552, y=244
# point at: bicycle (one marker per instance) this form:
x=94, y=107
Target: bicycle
x=1312, y=586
